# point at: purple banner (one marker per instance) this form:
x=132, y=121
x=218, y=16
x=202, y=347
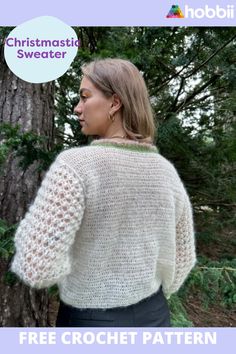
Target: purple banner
x=117, y=340
x=123, y=12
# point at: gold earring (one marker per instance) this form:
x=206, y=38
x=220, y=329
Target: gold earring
x=111, y=117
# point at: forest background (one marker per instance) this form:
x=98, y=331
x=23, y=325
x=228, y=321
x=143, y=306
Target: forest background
x=191, y=78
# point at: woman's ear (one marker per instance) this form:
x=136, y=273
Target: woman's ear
x=116, y=104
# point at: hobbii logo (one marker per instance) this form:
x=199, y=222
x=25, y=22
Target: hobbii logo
x=206, y=11
x=210, y=12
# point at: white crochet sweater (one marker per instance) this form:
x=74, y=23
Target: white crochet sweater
x=110, y=223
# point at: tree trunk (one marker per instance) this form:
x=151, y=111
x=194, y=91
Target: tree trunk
x=32, y=107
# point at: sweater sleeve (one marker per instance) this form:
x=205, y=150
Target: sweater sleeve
x=185, y=255
x=44, y=237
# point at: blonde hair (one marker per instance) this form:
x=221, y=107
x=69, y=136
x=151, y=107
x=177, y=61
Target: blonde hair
x=121, y=77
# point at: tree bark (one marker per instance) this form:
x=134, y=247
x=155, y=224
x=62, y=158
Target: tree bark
x=32, y=107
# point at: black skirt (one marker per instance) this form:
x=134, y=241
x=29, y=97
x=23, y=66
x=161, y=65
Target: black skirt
x=150, y=312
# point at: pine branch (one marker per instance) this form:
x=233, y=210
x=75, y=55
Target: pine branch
x=210, y=57
x=196, y=92
x=178, y=94
x=215, y=203
x=218, y=268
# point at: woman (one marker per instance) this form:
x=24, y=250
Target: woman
x=112, y=222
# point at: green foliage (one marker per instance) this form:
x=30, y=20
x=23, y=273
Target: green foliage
x=53, y=291
x=10, y=278
x=6, y=239
x=179, y=317
x=7, y=249
x=28, y=146
x=4, y=32
x=214, y=281
x=4, y=151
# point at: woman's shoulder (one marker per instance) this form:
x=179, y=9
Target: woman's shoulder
x=75, y=152
x=166, y=164
x=81, y=157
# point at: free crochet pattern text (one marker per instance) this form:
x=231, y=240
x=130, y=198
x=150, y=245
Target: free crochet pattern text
x=117, y=337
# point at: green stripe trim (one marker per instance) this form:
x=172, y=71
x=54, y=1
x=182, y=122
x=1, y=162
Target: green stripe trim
x=124, y=146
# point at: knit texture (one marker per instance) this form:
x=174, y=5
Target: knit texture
x=110, y=223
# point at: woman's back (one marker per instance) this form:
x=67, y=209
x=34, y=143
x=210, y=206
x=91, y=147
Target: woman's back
x=126, y=204
x=125, y=246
